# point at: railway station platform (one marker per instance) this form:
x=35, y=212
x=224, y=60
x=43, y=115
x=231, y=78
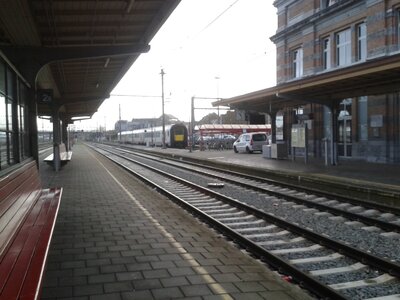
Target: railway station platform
x=116, y=239
x=360, y=172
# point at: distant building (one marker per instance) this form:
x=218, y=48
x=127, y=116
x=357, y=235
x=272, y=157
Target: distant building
x=144, y=123
x=121, y=125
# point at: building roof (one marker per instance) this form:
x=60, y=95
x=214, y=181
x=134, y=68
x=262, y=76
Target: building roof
x=79, y=49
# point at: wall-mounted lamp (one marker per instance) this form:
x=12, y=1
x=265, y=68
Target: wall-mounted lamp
x=129, y=6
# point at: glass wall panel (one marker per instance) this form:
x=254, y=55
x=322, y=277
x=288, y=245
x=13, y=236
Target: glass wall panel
x=3, y=113
x=10, y=84
x=14, y=118
x=3, y=150
x=9, y=114
x=11, y=160
x=21, y=110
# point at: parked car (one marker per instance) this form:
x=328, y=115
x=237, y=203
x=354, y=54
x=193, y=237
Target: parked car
x=249, y=142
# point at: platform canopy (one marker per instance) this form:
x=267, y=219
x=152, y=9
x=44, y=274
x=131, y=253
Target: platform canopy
x=77, y=50
x=373, y=77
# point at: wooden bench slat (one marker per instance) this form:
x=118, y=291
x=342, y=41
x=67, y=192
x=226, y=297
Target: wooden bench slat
x=31, y=287
x=6, y=268
x=23, y=190
x=16, y=173
x=10, y=259
x=13, y=286
x=31, y=219
x=12, y=220
x=10, y=187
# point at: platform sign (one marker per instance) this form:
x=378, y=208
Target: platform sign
x=45, y=96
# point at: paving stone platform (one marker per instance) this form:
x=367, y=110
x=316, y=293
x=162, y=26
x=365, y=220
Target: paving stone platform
x=116, y=239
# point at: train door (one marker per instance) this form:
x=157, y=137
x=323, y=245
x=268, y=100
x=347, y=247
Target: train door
x=345, y=129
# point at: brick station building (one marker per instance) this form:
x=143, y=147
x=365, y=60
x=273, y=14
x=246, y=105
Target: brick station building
x=338, y=69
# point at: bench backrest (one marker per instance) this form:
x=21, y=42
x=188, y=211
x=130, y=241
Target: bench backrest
x=18, y=191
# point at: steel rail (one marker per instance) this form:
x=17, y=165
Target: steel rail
x=336, y=211
x=317, y=192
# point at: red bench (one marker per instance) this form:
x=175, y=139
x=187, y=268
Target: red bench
x=27, y=218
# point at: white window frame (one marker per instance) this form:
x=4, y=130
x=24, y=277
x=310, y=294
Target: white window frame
x=361, y=42
x=343, y=48
x=297, y=62
x=326, y=53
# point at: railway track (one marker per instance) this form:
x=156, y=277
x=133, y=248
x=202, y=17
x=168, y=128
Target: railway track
x=324, y=265
x=371, y=214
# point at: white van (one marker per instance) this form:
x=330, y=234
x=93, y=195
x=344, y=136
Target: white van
x=249, y=142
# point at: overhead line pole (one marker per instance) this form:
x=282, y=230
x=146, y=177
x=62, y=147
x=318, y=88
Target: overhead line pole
x=192, y=117
x=163, y=115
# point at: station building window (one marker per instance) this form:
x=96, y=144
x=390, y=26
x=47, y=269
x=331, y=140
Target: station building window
x=361, y=42
x=279, y=123
x=326, y=53
x=297, y=63
x=343, y=48
x=363, y=118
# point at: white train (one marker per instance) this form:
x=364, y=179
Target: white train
x=176, y=136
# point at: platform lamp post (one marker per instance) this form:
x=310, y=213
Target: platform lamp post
x=163, y=115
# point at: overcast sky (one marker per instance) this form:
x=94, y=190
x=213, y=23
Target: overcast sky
x=207, y=48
